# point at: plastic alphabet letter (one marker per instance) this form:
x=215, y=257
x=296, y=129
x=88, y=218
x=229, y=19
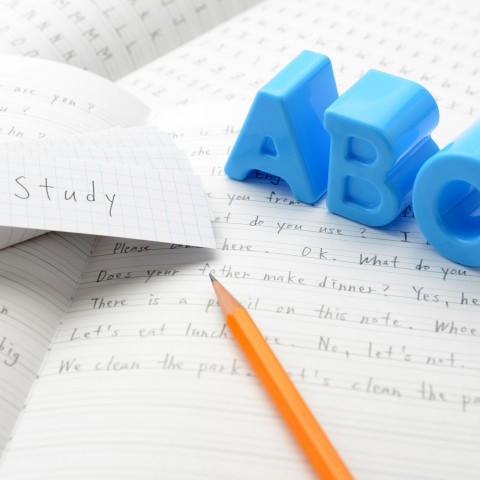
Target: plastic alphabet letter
x=283, y=133
x=446, y=199
x=380, y=131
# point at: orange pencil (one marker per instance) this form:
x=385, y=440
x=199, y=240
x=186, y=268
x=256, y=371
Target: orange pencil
x=321, y=453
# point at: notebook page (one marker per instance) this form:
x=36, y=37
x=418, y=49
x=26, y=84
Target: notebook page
x=378, y=331
x=432, y=42
x=39, y=98
x=37, y=281
x=111, y=37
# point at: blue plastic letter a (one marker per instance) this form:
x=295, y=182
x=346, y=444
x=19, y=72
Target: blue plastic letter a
x=283, y=134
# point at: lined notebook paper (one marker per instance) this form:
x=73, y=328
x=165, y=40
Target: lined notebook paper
x=111, y=37
x=37, y=281
x=39, y=99
x=380, y=345
x=431, y=42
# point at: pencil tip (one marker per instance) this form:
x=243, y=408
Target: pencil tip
x=212, y=278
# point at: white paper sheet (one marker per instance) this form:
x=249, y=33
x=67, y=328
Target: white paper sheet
x=105, y=190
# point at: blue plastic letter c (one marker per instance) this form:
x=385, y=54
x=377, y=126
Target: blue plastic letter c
x=446, y=199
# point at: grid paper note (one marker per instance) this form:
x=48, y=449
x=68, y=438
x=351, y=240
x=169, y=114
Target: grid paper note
x=99, y=186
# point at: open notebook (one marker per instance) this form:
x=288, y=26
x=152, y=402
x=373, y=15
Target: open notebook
x=115, y=362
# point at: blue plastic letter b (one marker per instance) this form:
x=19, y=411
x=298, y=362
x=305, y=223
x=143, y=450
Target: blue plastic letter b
x=380, y=137
x=283, y=133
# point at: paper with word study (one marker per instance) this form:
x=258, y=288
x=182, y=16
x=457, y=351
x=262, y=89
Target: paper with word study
x=144, y=147
x=111, y=190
